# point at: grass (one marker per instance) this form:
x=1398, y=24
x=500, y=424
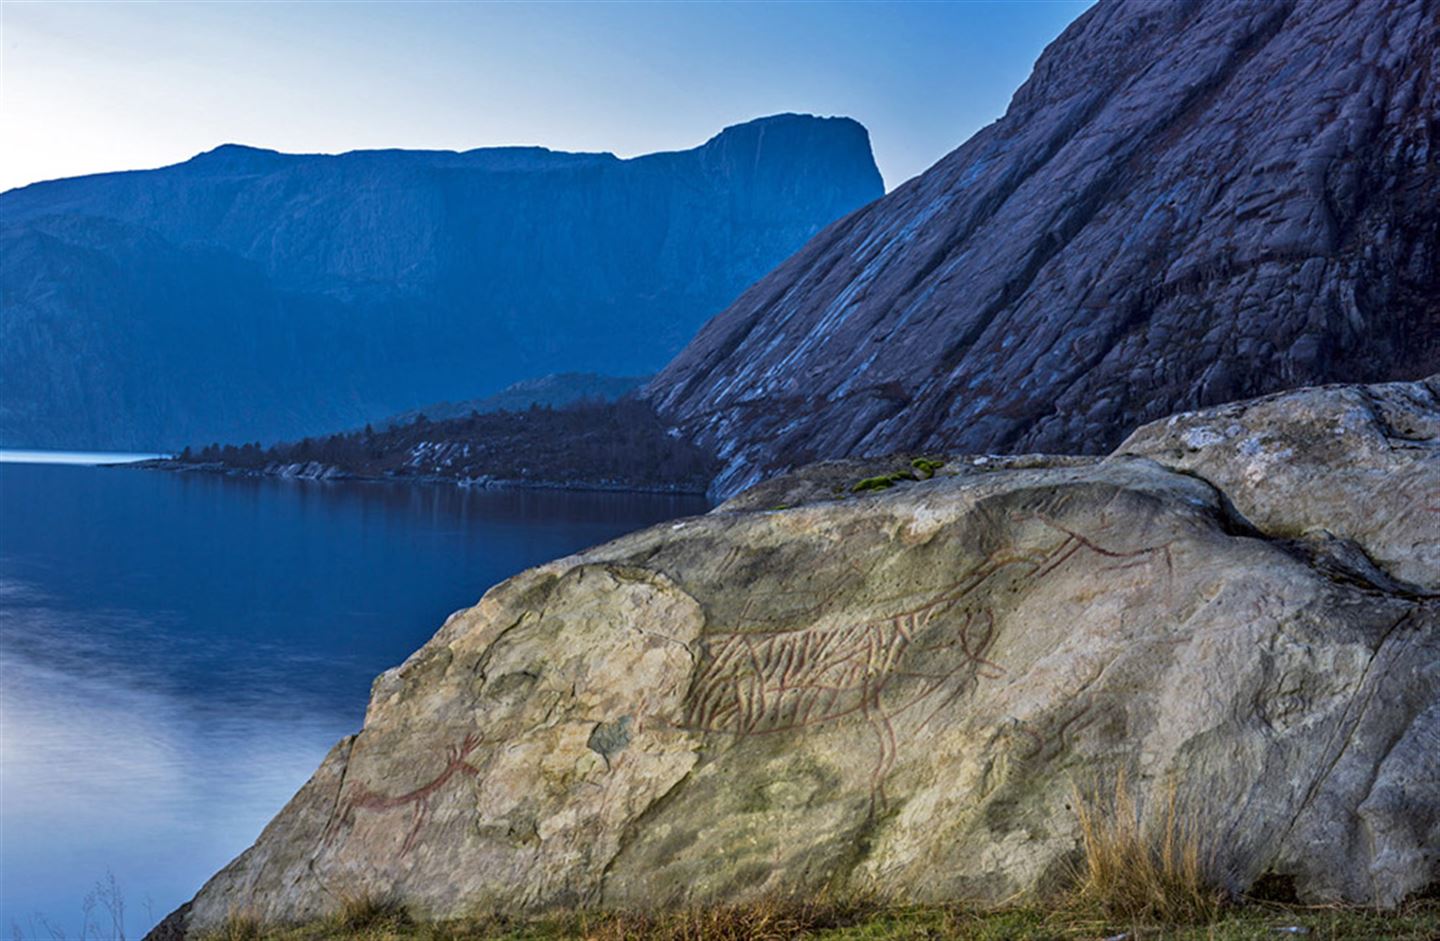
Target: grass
x=238, y=927
x=1141, y=879
x=1139, y=870
x=822, y=921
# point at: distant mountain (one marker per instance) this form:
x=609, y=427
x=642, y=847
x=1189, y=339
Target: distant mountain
x=1186, y=203
x=250, y=294
x=554, y=390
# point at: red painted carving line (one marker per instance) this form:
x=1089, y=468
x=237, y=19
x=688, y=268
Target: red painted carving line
x=763, y=682
x=1037, y=738
x=851, y=675
x=959, y=590
x=885, y=735
x=835, y=673
x=881, y=648
x=1069, y=725
x=972, y=652
x=1163, y=548
x=362, y=796
x=1059, y=558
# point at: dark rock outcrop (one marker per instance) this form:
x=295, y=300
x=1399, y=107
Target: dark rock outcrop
x=1185, y=204
x=247, y=294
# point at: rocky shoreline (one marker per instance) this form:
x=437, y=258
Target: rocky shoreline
x=315, y=471
x=620, y=446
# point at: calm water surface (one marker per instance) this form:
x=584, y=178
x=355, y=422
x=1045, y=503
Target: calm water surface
x=179, y=651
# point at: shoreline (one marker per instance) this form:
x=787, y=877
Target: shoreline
x=317, y=472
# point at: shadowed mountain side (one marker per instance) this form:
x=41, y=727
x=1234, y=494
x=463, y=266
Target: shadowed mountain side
x=247, y=293
x=1186, y=203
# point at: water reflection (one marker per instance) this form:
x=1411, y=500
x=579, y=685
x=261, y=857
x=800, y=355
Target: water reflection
x=178, y=652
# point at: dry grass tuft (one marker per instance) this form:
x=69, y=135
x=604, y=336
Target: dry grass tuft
x=766, y=919
x=238, y=926
x=362, y=914
x=1135, y=871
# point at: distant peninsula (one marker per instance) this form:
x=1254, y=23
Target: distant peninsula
x=591, y=444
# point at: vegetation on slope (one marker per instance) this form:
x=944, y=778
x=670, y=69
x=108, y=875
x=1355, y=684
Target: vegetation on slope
x=556, y=390
x=619, y=445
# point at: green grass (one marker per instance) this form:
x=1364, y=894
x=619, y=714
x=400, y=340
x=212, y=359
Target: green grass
x=862, y=921
x=922, y=468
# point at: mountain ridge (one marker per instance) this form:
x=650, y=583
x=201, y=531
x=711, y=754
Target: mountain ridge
x=232, y=150
x=398, y=278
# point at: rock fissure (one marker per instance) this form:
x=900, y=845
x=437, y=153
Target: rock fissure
x=629, y=834
x=1363, y=688
x=332, y=819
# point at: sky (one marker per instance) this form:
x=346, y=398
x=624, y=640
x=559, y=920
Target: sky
x=88, y=87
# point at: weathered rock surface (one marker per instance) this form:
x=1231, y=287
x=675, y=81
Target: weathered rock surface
x=1358, y=464
x=251, y=295
x=898, y=691
x=1187, y=203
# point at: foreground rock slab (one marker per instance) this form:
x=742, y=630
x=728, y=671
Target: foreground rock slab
x=902, y=691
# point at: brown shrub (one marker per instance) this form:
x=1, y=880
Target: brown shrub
x=1139, y=871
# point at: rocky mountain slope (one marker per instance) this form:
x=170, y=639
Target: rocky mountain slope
x=250, y=294
x=898, y=690
x=1186, y=203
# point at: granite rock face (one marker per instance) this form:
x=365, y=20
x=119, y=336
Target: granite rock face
x=899, y=690
x=247, y=294
x=1356, y=467
x=1186, y=204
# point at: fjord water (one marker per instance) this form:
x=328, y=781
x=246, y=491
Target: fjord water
x=179, y=651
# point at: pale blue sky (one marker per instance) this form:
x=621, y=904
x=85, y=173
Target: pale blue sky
x=87, y=87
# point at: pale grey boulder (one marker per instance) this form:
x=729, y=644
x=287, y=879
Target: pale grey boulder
x=1354, y=463
x=896, y=692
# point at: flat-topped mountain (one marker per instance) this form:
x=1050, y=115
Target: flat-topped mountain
x=1186, y=203
x=247, y=294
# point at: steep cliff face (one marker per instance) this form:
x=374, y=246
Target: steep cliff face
x=899, y=691
x=251, y=294
x=1186, y=203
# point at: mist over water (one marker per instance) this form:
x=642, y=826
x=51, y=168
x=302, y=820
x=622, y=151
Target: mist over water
x=78, y=458
x=179, y=651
